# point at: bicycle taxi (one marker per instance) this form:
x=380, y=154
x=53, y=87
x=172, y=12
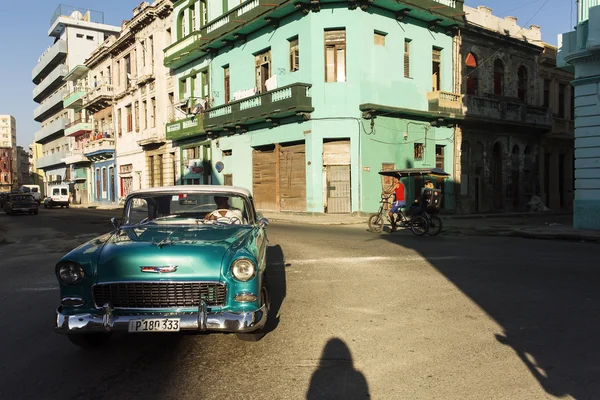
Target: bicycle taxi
x=421, y=223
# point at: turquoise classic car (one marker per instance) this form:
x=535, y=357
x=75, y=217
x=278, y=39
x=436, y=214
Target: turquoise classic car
x=181, y=258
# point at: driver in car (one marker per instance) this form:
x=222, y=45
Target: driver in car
x=224, y=212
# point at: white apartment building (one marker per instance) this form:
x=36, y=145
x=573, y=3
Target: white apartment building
x=76, y=33
x=8, y=154
x=143, y=92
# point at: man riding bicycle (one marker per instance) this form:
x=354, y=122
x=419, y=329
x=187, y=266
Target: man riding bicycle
x=399, y=201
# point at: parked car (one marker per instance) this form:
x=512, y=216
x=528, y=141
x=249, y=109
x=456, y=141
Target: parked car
x=34, y=190
x=20, y=203
x=3, y=197
x=180, y=258
x=58, y=197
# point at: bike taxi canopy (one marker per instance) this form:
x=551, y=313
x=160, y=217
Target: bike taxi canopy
x=400, y=173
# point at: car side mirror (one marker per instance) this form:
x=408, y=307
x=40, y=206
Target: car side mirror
x=116, y=222
x=263, y=222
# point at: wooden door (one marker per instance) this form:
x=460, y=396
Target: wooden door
x=292, y=177
x=264, y=179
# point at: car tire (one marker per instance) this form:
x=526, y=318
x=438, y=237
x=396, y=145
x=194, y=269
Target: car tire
x=258, y=334
x=89, y=340
x=67, y=206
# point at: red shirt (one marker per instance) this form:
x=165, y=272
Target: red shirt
x=400, y=192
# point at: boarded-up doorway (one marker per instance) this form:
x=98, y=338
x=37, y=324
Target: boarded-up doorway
x=279, y=177
x=338, y=193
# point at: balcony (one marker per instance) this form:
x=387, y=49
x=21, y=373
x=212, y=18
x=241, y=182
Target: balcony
x=99, y=149
x=50, y=130
x=75, y=156
x=288, y=101
x=50, y=160
x=445, y=102
x=75, y=98
x=184, y=128
x=561, y=126
x=54, y=56
x=52, y=105
x=98, y=98
x=253, y=15
x=507, y=110
x=78, y=127
x=53, y=81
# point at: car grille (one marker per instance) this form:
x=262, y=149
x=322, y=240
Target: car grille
x=159, y=294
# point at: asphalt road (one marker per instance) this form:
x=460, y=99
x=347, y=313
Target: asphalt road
x=392, y=316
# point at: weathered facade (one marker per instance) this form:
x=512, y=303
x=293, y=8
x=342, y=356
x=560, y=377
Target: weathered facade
x=556, y=165
x=299, y=101
x=23, y=167
x=6, y=175
x=499, y=144
x=8, y=141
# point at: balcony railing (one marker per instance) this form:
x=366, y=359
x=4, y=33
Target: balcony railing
x=78, y=127
x=75, y=98
x=53, y=81
x=49, y=60
x=184, y=128
x=50, y=160
x=52, y=105
x=280, y=103
x=445, y=102
x=98, y=146
x=50, y=129
x=506, y=110
x=98, y=98
x=75, y=156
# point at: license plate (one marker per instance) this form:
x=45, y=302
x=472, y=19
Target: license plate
x=154, y=325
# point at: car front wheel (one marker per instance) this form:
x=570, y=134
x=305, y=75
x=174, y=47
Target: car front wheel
x=89, y=340
x=258, y=334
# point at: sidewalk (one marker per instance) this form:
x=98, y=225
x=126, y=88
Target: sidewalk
x=539, y=225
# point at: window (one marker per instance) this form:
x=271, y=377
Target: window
x=335, y=56
x=143, y=46
x=203, y=13
x=439, y=156
x=379, y=38
x=153, y=117
x=436, y=70
x=129, y=118
x=262, y=62
x=151, y=51
x=498, y=77
x=137, y=116
x=407, y=58
x=145, y=113
x=294, y=54
x=118, y=73
x=89, y=37
x=561, y=100
x=193, y=18
x=227, y=153
x=471, y=70
x=227, y=180
x=418, y=151
x=127, y=70
x=183, y=89
x=79, y=35
x=522, y=83
x=119, y=116
x=226, y=83
x=546, y=93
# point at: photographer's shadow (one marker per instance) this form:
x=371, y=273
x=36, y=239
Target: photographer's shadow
x=336, y=377
x=277, y=284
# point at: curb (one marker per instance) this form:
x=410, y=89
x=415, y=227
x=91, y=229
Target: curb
x=508, y=215
x=522, y=233
x=291, y=221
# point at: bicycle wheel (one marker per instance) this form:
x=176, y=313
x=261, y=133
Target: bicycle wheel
x=375, y=223
x=419, y=225
x=435, y=225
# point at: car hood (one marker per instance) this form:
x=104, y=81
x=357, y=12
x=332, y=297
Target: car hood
x=199, y=259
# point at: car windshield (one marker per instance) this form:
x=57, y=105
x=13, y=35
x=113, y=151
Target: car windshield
x=188, y=207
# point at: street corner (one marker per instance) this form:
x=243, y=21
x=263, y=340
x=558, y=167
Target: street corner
x=565, y=234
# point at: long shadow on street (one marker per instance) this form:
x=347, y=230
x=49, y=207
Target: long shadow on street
x=549, y=311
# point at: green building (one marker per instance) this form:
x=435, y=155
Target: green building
x=304, y=102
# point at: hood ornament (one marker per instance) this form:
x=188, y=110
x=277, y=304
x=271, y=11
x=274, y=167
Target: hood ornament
x=159, y=270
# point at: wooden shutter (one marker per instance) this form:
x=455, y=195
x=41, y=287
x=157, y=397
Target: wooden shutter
x=407, y=58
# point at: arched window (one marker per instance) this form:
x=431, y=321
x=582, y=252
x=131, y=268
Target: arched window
x=471, y=73
x=522, y=91
x=498, y=77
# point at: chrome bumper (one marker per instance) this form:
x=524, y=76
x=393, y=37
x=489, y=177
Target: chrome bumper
x=201, y=321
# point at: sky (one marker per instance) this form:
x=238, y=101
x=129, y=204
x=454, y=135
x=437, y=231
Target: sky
x=24, y=37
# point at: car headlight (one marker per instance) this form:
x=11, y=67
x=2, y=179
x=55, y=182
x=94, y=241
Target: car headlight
x=69, y=273
x=243, y=269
